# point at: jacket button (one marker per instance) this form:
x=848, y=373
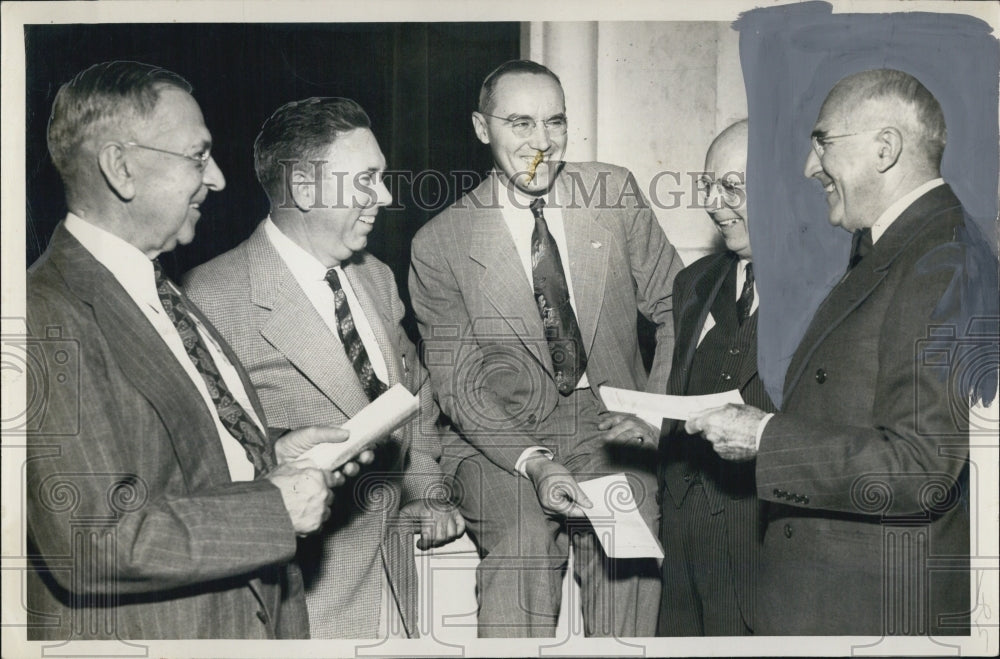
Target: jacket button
x=820, y=375
x=788, y=530
x=262, y=616
x=734, y=351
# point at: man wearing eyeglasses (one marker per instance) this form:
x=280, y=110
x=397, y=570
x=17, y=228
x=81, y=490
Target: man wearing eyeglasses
x=157, y=505
x=865, y=469
x=526, y=292
x=710, y=524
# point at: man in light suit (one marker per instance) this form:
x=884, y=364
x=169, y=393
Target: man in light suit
x=866, y=466
x=710, y=524
x=316, y=320
x=156, y=505
x=526, y=292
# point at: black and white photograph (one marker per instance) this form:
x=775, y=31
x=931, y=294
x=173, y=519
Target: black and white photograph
x=500, y=329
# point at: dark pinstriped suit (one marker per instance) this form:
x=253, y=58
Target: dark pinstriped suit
x=710, y=513
x=135, y=528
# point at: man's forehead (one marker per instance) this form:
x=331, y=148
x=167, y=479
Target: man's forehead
x=526, y=88
x=176, y=111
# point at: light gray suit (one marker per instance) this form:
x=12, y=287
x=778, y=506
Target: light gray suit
x=303, y=377
x=485, y=349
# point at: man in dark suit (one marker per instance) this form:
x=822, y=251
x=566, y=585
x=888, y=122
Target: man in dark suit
x=710, y=524
x=315, y=319
x=866, y=467
x=526, y=292
x=156, y=505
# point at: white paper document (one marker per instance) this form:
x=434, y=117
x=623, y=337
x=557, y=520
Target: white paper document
x=616, y=520
x=379, y=418
x=654, y=408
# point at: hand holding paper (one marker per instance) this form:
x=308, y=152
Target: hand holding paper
x=389, y=411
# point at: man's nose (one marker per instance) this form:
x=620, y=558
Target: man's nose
x=212, y=176
x=539, y=139
x=813, y=165
x=382, y=195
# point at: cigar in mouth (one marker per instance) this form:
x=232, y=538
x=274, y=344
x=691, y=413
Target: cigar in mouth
x=534, y=165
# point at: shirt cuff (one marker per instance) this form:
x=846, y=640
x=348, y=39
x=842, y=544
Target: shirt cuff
x=528, y=453
x=760, y=428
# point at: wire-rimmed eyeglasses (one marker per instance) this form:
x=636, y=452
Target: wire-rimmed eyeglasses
x=525, y=126
x=200, y=159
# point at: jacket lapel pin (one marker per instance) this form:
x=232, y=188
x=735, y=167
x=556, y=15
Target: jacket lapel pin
x=595, y=244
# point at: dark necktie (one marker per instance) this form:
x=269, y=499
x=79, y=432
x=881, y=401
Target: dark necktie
x=234, y=418
x=861, y=244
x=552, y=296
x=353, y=346
x=745, y=303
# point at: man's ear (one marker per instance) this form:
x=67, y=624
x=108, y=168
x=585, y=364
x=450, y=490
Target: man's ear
x=890, y=146
x=303, y=190
x=116, y=170
x=479, y=125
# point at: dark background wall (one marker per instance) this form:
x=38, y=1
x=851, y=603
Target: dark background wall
x=418, y=82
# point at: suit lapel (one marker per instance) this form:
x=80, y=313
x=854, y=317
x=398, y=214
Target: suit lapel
x=503, y=282
x=587, y=242
x=146, y=362
x=695, y=307
x=862, y=281
x=296, y=329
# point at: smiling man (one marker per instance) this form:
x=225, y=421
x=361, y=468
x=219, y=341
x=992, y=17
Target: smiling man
x=710, y=524
x=865, y=469
x=316, y=319
x=183, y=514
x=526, y=292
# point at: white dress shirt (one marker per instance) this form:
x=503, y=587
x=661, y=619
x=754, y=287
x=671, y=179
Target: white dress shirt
x=311, y=276
x=134, y=271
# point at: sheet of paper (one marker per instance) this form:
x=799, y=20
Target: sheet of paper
x=616, y=520
x=379, y=418
x=654, y=408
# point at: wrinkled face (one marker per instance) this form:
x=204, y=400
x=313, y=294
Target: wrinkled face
x=725, y=193
x=520, y=97
x=843, y=160
x=336, y=223
x=169, y=188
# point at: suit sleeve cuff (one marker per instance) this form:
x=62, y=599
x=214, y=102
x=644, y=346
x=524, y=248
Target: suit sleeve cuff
x=530, y=452
x=760, y=429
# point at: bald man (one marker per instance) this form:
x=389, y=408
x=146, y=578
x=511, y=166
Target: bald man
x=865, y=469
x=710, y=513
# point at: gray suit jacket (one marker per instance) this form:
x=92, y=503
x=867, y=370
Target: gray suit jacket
x=303, y=377
x=483, y=340
x=134, y=525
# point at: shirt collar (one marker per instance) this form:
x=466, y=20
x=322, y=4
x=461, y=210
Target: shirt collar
x=304, y=266
x=892, y=213
x=128, y=265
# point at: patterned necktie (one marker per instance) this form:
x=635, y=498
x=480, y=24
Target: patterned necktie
x=231, y=413
x=745, y=303
x=552, y=296
x=353, y=346
x=861, y=244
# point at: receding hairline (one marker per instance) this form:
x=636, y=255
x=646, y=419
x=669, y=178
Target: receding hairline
x=734, y=136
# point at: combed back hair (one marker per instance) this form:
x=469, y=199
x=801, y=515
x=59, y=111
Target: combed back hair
x=488, y=90
x=301, y=131
x=106, y=96
x=916, y=108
